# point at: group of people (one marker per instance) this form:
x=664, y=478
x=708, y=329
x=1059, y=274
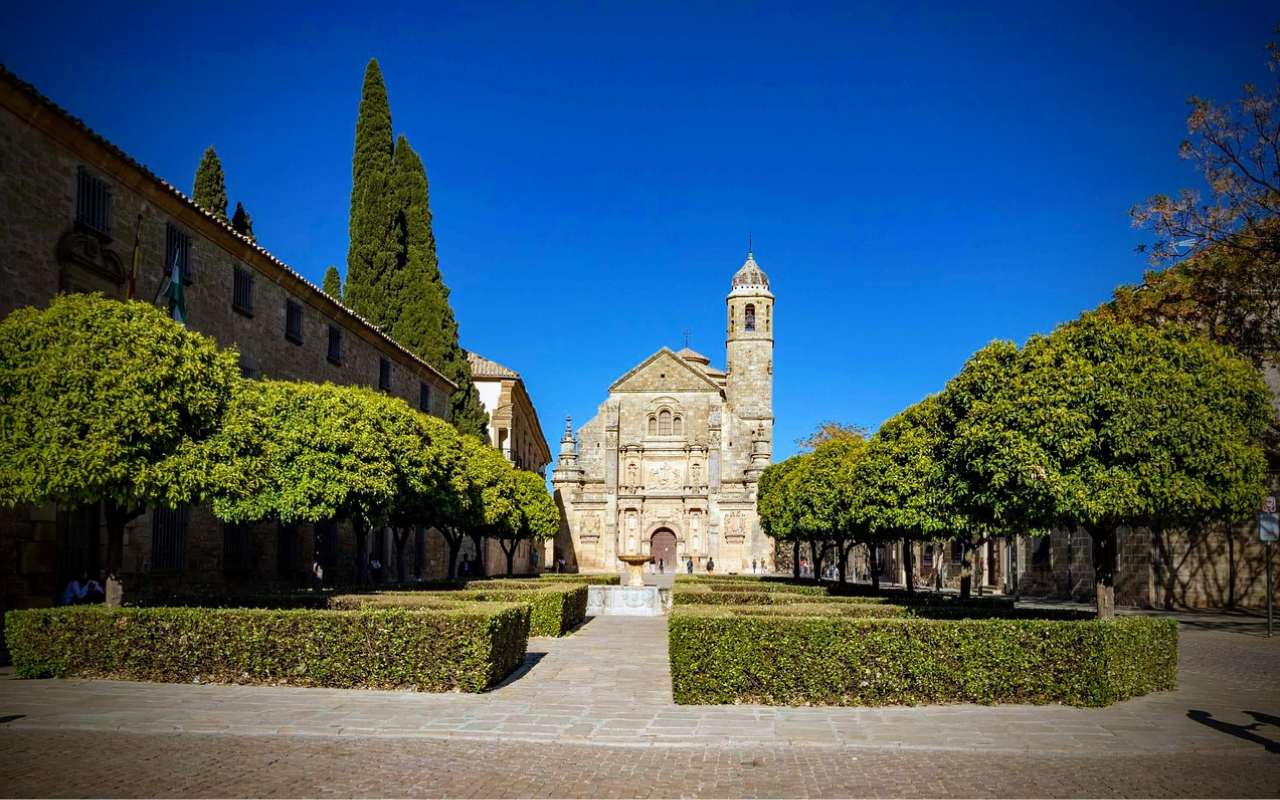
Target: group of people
x=85, y=590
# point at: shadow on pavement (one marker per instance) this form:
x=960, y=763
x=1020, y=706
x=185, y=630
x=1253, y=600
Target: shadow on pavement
x=1245, y=732
x=530, y=660
x=10, y=718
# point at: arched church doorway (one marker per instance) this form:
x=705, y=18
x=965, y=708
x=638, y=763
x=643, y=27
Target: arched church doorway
x=663, y=549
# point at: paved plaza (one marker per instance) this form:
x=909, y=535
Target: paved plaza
x=591, y=715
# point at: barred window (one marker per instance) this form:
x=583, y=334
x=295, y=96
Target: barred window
x=293, y=320
x=678, y=426
x=286, y=549
x=653, y=426
x=384, y=374
x=242, y=290
x=664, y=423
x=93, y=202
x=335, y=344
x=169, y=539
x=249, y=369
x=424, y=398
x=236, y=538
x=177, y=245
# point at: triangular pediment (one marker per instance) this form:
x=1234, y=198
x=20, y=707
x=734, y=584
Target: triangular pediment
x=664, y=371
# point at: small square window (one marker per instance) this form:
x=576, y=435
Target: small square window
x=293, y=320
x=384, y=374
x=242, y=290
x=335, y=344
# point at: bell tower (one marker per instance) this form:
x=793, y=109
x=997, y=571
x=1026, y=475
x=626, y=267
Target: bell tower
x=749, y=347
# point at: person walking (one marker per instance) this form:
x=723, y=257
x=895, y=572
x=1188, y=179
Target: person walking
x=689, y=566
x=711, y=566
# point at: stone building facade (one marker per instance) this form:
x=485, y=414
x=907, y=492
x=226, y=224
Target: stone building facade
x=669, y=467
x=71, y=204
x=515, y=430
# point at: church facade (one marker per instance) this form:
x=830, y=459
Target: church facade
x=670, y=464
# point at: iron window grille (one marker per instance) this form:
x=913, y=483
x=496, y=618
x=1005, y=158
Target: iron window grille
x=335, y=344
x=169, y=539
x=236, y=542
x=177, y=243
x=93, y=203
x=327, y=546
x=293, y=320
x=242, y=290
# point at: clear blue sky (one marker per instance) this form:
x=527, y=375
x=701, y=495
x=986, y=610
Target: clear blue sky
x=920, y=178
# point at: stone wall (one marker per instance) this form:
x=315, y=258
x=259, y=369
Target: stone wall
x=44, y=250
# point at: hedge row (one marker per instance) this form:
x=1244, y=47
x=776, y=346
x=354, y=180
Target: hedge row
x=469, y=647
x=739, y=657
x=555, y=608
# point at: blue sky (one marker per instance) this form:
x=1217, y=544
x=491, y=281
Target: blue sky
x=919, y=178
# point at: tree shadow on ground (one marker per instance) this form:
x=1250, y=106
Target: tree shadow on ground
x=7, y=718
x=1245, y=732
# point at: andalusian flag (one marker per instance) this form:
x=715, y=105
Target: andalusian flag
x=137, y=256
x=172, y=289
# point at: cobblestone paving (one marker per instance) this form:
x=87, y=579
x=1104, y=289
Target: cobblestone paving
x=41, y=763
x=591, y=715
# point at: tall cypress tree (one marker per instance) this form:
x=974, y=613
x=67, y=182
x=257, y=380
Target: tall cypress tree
x=242, y=224
x=332, y=283
x=426, y=325
x=210, y=191
x=375, y=251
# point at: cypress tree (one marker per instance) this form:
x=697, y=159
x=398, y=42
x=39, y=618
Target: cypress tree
x=333, y=283
x=242, y=224
x=210, y=191
x=375, y=251
x=426, y=325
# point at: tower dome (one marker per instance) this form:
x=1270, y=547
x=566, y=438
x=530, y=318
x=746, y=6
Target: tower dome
x=750, y=276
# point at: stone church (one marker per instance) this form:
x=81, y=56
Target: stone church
x=669, y=466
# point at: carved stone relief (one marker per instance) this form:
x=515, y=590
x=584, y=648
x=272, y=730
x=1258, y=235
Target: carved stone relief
x=664, y=476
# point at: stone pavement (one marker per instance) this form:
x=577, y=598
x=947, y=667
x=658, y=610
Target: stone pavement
x=597, y=705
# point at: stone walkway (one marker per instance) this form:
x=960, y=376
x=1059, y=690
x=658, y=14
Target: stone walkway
x=609, y=684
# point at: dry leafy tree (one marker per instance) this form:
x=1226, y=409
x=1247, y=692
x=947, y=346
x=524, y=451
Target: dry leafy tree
x=829, y=430
x=1235, y=147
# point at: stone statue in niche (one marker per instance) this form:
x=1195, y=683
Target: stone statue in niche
x=696, y=471
x=631, y=473
x=664, y=476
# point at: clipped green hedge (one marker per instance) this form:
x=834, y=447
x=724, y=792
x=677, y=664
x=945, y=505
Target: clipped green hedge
x=556, y=609
x=605, y=579
x=730, y=596
x=745, y=657
x=467, y=648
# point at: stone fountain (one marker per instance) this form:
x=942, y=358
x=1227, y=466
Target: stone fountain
x=633, y=600
x=635, y=568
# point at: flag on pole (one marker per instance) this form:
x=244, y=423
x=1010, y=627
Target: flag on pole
x=172, y=289
x=137, y=256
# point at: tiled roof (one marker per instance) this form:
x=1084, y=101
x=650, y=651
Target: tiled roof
x=13, y=80
x=482, y=367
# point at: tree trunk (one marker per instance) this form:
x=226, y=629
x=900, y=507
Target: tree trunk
x=454, y=542
x=875, y=568
x=510, y=554
x=1231, y=566
x=842, y=567
x=795, y=560
x=401, y=536
x=909, y=561
x=966, y=570
x=118, y=517
x=480, y=568
x=1104, y=570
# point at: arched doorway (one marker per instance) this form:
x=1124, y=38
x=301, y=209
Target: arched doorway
x=662, y=546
